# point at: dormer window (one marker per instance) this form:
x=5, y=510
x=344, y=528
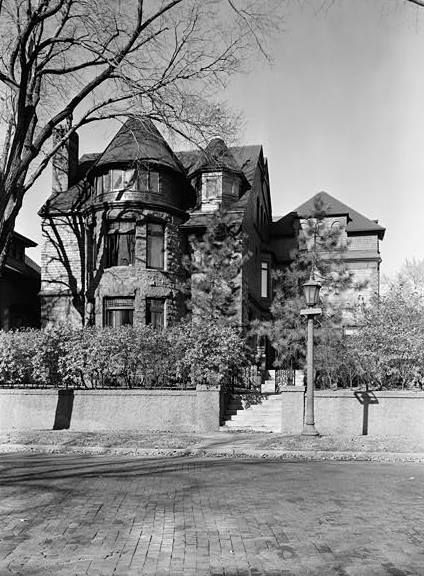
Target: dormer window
x=211, y=187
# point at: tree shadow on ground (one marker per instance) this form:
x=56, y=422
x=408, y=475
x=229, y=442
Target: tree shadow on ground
x=59, y=467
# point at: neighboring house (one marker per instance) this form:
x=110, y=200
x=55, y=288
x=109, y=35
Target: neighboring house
x=118, y=224
x=360, y=235
x=19, y=287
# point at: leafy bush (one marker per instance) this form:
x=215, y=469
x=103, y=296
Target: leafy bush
x=183, y=355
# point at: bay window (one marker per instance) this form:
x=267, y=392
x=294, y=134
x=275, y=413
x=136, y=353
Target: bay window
x=120, y=244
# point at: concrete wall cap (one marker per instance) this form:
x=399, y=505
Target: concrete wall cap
x=207, y=387
x=97, y=392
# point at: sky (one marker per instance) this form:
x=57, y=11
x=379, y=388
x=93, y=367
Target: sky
x=341, y=109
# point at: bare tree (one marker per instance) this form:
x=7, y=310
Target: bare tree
x=73, y=62
x=82, y=279
x=417, y=2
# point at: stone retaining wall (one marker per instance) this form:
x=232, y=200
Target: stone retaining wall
x=346, y=412
x=89, y=410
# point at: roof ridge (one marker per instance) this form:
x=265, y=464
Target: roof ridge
x=358, y=222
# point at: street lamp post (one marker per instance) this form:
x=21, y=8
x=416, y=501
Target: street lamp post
x=311, y=290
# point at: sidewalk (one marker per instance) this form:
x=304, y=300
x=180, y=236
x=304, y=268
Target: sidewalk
x=219, y=444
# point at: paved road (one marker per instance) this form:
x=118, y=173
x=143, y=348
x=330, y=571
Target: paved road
x=75, y=515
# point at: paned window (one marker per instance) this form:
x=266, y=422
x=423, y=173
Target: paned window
x=120, y=246
x=116, y=179
x=211, y=187
x=155, y=246
x=118, y=312
x=121, y=178
x=155, y=312
x=265, y=279
x=148, y=181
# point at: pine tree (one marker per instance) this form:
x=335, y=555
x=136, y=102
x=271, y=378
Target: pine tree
x=320, y=254
x=215, y=271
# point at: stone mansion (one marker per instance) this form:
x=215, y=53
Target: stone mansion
x=118, y=224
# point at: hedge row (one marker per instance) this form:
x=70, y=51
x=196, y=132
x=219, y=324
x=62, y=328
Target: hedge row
x=139, y=356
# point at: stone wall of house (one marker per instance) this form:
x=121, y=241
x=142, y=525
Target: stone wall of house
x=366, y=242
x=366, y=278
x=131, y=208
x=60, y=269
x=139, y=282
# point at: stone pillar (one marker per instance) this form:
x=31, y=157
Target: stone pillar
x=207, y=404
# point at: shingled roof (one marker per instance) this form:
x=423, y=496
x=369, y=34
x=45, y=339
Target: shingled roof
x=357, y=222
x=216, y=156
x=139, y=139
x=245, y=158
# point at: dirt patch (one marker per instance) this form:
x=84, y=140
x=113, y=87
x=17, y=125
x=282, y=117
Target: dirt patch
x=105, y=439
x=341, y=444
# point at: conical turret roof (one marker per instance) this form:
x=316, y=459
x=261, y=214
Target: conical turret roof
x=139, y=139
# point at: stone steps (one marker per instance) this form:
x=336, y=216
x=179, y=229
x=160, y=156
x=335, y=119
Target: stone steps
x=261, y=413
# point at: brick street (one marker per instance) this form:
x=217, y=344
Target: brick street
x=101, y=516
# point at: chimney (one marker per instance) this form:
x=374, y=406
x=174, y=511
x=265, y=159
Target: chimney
x=65, y=161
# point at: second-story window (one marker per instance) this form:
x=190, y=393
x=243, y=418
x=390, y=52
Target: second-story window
x=265, y=283
x=155, y=246
x=120, y=246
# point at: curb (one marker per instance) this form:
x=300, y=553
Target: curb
x=285, y=455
